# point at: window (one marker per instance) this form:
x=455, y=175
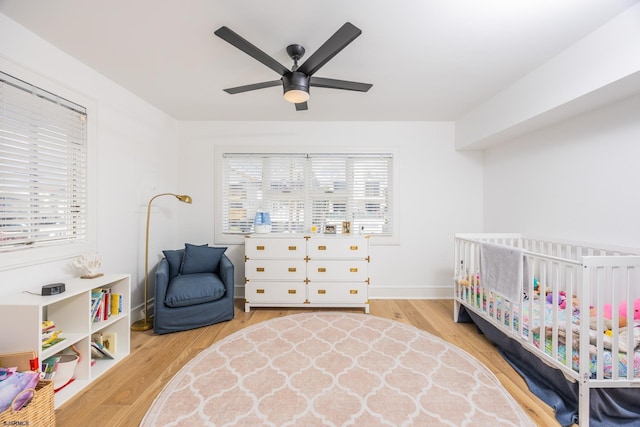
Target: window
x=43, y=168
x=299, y=190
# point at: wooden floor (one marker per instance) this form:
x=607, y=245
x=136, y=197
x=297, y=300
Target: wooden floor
x=123, y=396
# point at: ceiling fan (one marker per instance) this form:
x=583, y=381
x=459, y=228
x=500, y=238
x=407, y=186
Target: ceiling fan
x=296, y=82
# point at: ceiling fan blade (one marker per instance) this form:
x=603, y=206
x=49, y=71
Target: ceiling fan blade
x=339, y=84
x=301, y=106
x=254, y=86
x=233, y=38
x=345, y=35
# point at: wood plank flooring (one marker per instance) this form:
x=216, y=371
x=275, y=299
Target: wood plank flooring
x=123, y=396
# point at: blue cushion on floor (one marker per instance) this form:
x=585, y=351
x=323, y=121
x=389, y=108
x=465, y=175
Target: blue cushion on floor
x=192, y=289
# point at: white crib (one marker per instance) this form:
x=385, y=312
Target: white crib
x=562, y=285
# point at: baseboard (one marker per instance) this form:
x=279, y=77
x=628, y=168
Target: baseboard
x=410, y=292
x=137, y=312
x=394, y=292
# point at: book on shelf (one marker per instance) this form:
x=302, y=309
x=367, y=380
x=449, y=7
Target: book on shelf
x=109, y=342
x=106, y=309
x=48, y=326
x=49, y=367
x=98, y=349
x=99, y=352
x=116, y=304
x=104, y=304
x=96, y=303
x=51, y=339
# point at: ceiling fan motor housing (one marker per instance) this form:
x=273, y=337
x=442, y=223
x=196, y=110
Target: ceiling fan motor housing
x=295, y=81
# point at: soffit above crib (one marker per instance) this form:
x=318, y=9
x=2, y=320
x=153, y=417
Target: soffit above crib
x=601, y=68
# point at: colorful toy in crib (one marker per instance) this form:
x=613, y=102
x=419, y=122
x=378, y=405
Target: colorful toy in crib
x=561, y=299
x=607, y=311
x=474, y=279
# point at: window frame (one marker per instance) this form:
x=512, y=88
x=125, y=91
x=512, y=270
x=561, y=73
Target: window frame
x=219, y=152
x=29, y=256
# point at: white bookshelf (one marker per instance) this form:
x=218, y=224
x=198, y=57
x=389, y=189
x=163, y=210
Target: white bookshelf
x=21, y=317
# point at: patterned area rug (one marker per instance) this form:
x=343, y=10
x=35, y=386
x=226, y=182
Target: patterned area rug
x=334, y=369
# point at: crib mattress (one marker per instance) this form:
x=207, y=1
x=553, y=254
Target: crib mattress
x=536, y=320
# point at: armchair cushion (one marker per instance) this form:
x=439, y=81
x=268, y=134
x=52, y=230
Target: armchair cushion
x=194, y=289
x=201, y=259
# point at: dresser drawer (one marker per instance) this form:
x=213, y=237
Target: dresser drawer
x=275, y=269
x=338, y=248
x=275, y=292
x=337, y=270
x=256, y=247
x=338, y=293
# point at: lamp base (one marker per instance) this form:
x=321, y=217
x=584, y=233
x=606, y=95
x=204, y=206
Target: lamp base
x=142, y=325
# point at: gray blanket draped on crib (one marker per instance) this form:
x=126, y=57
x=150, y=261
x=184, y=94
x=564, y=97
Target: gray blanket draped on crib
x=502, y=269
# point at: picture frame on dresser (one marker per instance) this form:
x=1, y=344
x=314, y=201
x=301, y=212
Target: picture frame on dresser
x=346, y=227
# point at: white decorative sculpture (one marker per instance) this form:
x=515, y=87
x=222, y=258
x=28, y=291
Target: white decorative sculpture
x=89, y=265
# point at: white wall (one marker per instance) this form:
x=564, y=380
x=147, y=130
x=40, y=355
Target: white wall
x=440, y=191
x=577, y=180
x=135, y=147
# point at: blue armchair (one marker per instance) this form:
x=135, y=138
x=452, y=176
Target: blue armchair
x=194, y=288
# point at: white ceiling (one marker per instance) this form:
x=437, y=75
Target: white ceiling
x=427, y=59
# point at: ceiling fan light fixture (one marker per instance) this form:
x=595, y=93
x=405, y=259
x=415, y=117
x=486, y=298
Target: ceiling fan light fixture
x=296, y=96
x=296, y=87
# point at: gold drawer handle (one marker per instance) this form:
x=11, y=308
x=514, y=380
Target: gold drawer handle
x=353, y=248
x=322, y=248
x=259, y=291
x=293, y=248
x=322, y=270
x=322, y=291
x=353, y=291
x=260, y=269
x=292, y=269
x=292, y=291
x=353, y=270
x=260, y=248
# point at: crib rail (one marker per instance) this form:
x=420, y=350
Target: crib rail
x=575, y=305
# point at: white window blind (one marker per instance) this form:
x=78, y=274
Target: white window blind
x=43, y=162
x=299, y=190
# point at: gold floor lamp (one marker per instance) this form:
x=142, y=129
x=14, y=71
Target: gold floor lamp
x=147, y=322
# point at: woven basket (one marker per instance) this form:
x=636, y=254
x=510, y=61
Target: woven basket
x=38, y=413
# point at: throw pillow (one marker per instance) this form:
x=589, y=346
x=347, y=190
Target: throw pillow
x=174, y=258
x=201, y=259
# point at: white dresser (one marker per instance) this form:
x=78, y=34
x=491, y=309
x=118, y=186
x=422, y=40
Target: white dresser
x=316, y=270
